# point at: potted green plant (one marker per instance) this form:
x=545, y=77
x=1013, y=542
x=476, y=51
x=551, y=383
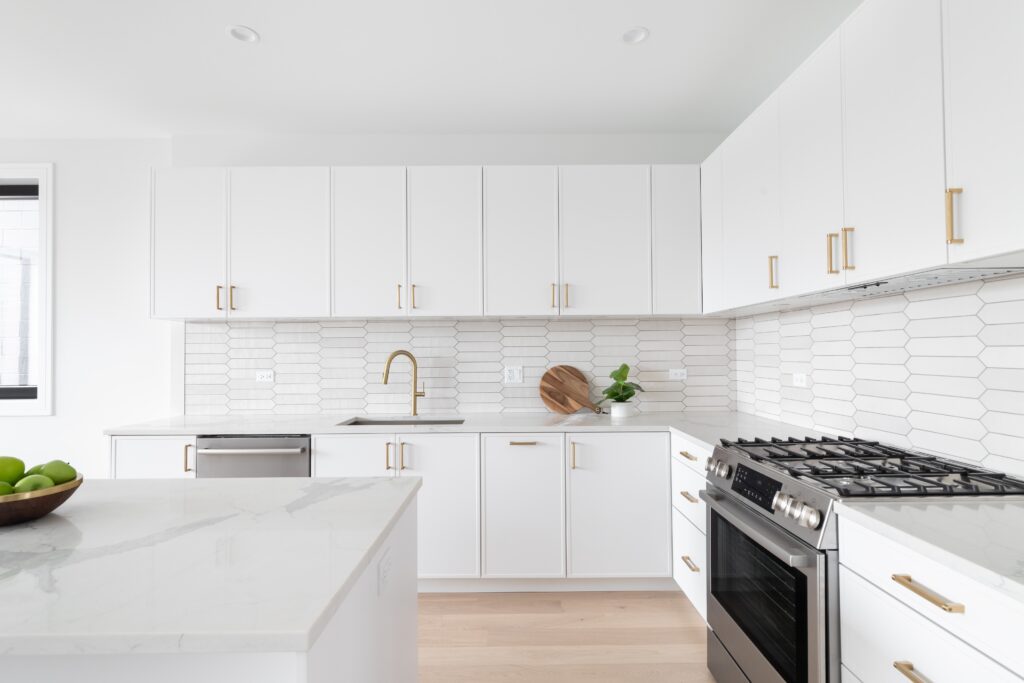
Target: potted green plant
x=621, y=392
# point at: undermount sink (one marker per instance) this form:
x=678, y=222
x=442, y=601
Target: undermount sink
x=412, y=421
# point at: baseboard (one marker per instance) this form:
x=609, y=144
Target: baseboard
x=543, y=585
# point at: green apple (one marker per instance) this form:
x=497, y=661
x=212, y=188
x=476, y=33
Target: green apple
x=59, y=472
x=33, y=482
x=11, y=469
x=38, y=469
x=6, y=489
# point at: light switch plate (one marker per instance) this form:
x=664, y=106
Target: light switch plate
x=677, y=373
x=513, y=374
x=265, y=376
x=800, y=379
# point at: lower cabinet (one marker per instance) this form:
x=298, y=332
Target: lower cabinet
x=153, y=457
x=523, y=505
x=689, y=561
x=617, y=489
x=354, y=455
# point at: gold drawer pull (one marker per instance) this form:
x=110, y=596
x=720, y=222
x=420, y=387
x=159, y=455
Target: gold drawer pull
x=567, y=295
x=907, y=669
x=220, y=288
x=573, y=455
x=387, y=456
x=950, y=238
x=689, y=564
x=187, y=468
x=846, y=250
x=928, y=594
x=399, y=297
x=554, y=291
x=231, y=298
x=413, y=302
x=401, y=456
x=691, y=458
x=688, y=496
x=772, y=263
x=830, y=240
x=522, y=443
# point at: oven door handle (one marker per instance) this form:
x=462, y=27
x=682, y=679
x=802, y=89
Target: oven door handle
x=773, y=540
x=251, y=451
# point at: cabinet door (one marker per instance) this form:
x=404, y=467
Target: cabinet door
x=189, y=243
x=811, y=148
x=449, y=502
x=369, y=241
x=712, y=243
x=618, y=494
x=523, y=505
x=689, y=562
x=520, y=240
x=154, y=457
x=280, y=243
x=984, y=72
x=351, y=455
x=445, y=240
x=893, y=137
x=675, y=239
x=605, y=230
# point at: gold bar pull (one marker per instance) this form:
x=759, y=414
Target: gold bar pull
x=522, y=443
x=907, y=669
x=690, y=564
x=413, y=302
x=688, y=496
x=566, y=294
x=554, y=295
x=928, y=594
x=231, y=298
x=399, y=297
x=772, y=262
x=387, y=455
x=187, y=468
x=219, y=289
x=846, y=250
x=401, y=456
x=950, y=238
x=573, y=454
x=830, y=240
x=691, y=458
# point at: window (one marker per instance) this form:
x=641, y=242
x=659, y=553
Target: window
x=26, y=248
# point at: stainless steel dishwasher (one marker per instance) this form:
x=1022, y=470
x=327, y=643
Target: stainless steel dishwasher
x=253, y=456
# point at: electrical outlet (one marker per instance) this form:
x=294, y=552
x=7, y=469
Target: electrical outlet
x=265, y=376
x=513, y=374
x=677, y=373
x=800, y=379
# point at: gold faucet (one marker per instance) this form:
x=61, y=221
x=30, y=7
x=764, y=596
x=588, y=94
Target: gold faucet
x=415, y=375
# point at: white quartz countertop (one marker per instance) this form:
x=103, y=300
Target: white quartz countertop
x=701, y=426
x=981, y=537
x=191, y=565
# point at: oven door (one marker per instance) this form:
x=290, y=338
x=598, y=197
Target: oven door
x=767, y=595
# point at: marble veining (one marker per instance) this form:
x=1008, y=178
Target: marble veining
x=208, y=565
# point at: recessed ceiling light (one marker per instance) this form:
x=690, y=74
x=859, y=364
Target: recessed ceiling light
x=635, y=35
x=243, y=34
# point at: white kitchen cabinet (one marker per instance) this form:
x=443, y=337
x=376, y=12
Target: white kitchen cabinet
x=751, y=218
x=712, y=245
x=279, y=265
x=189, y=243
x=689, y=562
x=984, y=90
x=893, y=138
x=153, y=457
x=523, y=513
x=445, y=233
x=618, y=505
x=811, y=172
x=355, y=455
x=448, y=506
x=369, y=244
x=675, y=239
x=521, y=240
x=605, y=229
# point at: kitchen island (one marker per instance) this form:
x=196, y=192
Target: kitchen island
x=257, y=580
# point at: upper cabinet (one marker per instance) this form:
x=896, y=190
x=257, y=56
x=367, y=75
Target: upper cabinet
x=521, y=240
x=893, y=130
x=369, y=241
x=712, y=243
x=605, y=240
x=675, y=239
x=984, y=71
x=445, y=240
x=189, y=243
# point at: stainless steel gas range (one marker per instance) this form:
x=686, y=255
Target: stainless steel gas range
x=773, y=548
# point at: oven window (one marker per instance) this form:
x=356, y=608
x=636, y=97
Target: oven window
x=764, y=596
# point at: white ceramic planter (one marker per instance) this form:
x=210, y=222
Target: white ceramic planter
x=621, y=409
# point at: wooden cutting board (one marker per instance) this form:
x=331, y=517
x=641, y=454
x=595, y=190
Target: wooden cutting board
x=564, y=390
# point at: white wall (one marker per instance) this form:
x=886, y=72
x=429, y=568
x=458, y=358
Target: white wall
x=113, y=364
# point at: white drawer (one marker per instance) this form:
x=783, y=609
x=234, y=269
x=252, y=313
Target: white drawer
x=690, y=453
x=690, y=573
x=988, y=621
x=877, y=631
x=686, y=487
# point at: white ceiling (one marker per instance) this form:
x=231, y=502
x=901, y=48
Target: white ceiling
x=125, y=68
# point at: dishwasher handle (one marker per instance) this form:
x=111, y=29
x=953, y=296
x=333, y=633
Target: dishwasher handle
x=251, y=451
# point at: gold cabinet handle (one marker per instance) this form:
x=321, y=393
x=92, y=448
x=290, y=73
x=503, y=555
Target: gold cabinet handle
x=950, y=238
x=846, y=250
x=690, y=564
x=399, y=297
x=522, y=443
x=187, y=468
x=220, y=288
x=387, y=456
x=231, y=298
x=691, y=458
x=928, y=594
x=772, y=263
x=554, y=295
x=907, y=669
x=572, y=448
x=566, y=295
x=401, y=456
x=830, y=240
x=688, y=496
x=412, y=302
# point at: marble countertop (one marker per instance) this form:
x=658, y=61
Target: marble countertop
x=981, y=537
x=203, y=565
x=703, y=426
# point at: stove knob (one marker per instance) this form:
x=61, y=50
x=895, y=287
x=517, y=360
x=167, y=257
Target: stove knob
x=722, y=470
x=780, y=503
x=809, y=517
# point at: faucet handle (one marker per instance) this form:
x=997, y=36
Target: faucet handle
x=421, y=392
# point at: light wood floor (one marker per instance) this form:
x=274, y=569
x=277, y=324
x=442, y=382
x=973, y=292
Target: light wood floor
x=648, y=637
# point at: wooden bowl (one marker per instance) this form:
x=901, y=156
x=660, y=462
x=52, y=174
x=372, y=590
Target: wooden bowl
x=24, y=507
